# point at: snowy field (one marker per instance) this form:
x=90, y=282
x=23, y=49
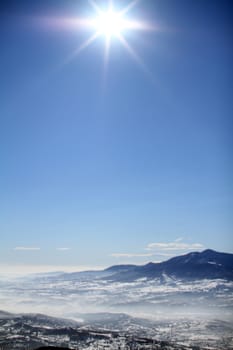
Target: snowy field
x=68, y=296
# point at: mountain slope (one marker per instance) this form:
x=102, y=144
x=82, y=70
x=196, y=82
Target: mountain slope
x=208, y=264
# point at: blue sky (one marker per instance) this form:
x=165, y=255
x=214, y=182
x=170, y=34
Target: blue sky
x=116, y=165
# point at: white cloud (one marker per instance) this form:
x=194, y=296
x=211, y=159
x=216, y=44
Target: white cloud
x=27, y=248
x=179, y=239
x=130, y=255
x=62, y=249
x=162, y=250
x=174, y=246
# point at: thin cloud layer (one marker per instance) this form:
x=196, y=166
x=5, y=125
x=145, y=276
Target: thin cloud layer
x=130, y=255
x=163, y=249
x=174, y=246
x=63, y=249
x=27, y=248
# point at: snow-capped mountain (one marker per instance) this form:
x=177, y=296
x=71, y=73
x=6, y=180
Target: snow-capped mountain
x=208, y=264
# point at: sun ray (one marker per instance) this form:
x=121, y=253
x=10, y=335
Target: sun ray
x=82, y=47
x=87, y=42
x=105, y=64
x=107, y=50
x=129, y=7
x=134, y=55
x=130, y=50
x=95, y=7
x=110, y=5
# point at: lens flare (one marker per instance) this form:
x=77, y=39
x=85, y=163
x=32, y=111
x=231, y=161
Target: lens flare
x=109, y=23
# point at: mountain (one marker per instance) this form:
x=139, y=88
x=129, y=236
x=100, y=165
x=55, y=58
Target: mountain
x=208, y=264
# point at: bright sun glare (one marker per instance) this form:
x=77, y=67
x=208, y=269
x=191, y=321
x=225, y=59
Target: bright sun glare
x=110, y=23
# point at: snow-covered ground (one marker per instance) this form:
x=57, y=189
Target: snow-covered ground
x=144, y=298
x=167, y=309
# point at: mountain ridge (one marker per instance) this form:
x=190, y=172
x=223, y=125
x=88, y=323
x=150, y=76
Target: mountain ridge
x=208, y=264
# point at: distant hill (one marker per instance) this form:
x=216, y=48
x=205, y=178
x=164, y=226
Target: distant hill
x=208, y=264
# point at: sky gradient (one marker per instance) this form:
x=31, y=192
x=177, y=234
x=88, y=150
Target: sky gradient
x=106, y=165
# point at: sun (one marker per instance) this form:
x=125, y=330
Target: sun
x=110, y=23
x=115, y=24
